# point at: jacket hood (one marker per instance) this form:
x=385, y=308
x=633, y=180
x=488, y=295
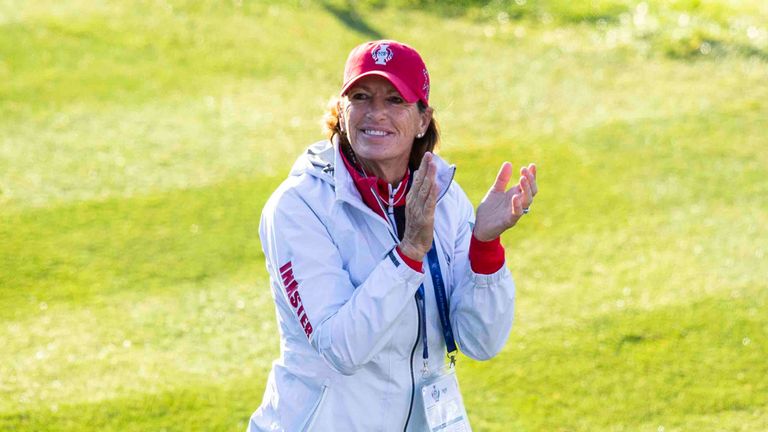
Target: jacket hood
x=318, y=159
x=323, y=161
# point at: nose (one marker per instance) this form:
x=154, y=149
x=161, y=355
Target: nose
x=377, y=108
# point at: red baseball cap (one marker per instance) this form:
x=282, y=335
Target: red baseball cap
x=395, y=61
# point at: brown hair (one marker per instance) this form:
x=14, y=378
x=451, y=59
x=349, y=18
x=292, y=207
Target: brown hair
x=427, y=143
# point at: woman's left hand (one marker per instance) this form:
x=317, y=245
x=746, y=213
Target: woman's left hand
x=501, y=208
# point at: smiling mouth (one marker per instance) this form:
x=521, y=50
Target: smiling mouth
x=374, y=132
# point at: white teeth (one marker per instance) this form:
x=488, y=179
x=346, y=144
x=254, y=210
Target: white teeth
x=374, y=132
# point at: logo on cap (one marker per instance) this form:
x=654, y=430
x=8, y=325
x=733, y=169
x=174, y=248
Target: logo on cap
x=382, y=54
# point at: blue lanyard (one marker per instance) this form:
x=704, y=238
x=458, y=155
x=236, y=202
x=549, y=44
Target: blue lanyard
x=442, y=306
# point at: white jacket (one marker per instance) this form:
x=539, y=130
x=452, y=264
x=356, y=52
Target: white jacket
x=351, y=355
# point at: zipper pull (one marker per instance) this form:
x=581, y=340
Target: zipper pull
x=423, y=328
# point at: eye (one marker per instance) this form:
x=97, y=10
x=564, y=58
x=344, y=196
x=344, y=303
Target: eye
x=397, y=100
x=359, y=96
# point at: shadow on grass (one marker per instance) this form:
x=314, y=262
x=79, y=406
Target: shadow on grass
x=351, y=18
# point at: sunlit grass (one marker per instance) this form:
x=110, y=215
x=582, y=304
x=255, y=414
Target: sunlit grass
x=139, y=140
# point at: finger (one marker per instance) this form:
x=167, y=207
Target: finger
x=421, y=171
x=426, y=159
x=526, y=172
x=418, y=178
x=432, y=199
x=524, y=196
x=530, y=173
x=502, y=178
x=527, y=195
x=517, y=206
x=429, y=178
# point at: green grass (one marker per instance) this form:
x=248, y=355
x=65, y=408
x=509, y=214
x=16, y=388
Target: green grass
x=139, y=140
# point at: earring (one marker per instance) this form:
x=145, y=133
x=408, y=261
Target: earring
x=420, y=135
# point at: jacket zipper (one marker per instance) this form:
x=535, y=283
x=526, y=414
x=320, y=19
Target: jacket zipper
x=313, y=415
x=413, y=378
x=392, y=227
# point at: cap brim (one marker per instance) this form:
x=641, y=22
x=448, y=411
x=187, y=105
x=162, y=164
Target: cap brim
x=399, y=85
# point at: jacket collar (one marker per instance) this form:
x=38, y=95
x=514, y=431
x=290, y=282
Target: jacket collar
x=377, y=193
x=323, y=160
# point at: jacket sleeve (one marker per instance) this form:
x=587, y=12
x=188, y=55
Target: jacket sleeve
x=481, y=306
x=345, y=324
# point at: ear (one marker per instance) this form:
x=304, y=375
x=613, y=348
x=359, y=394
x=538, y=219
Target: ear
x=425, y=118
x=340, y=116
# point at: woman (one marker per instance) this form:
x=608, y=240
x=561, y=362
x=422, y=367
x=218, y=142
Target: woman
x=377, y=261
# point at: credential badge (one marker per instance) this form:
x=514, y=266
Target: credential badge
x=382, y=54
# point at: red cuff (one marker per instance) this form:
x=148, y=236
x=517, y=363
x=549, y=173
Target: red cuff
x=412, y=263
x=486, y=257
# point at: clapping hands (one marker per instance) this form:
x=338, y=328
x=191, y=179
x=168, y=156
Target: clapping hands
x=498, y=211
x=501, y=208
x=420, y=210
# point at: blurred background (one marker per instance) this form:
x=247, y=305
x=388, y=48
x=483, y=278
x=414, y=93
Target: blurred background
x=140, y=139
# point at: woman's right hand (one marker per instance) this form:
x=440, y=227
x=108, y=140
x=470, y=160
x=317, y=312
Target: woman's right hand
x=420, y=211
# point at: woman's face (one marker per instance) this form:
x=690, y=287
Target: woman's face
x=381, y=125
